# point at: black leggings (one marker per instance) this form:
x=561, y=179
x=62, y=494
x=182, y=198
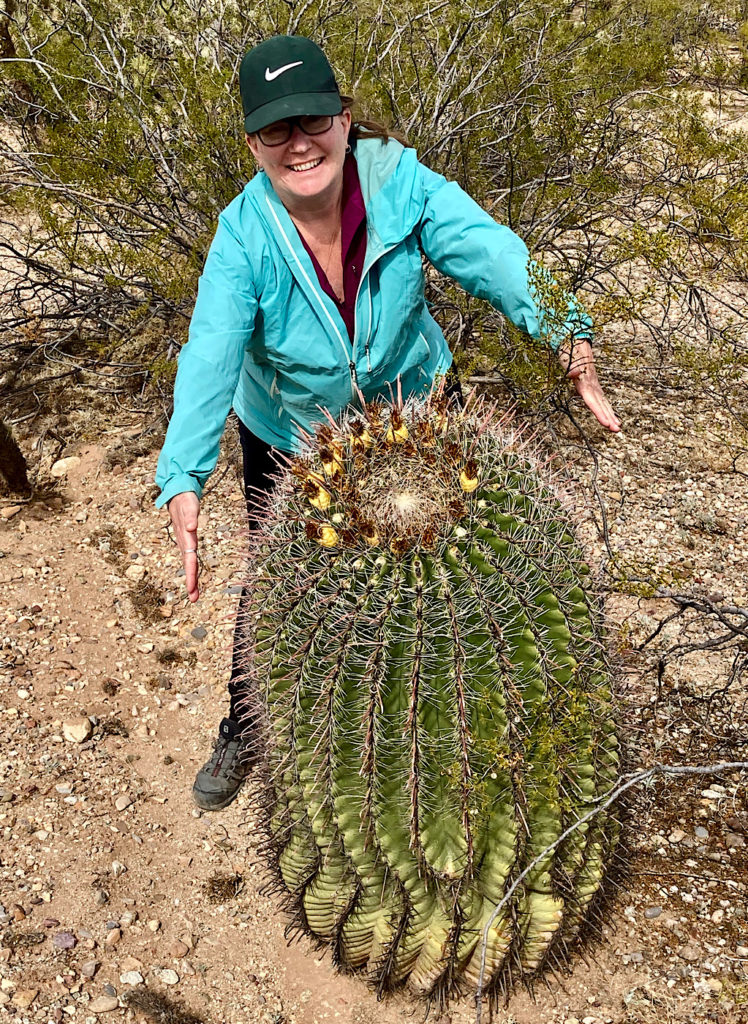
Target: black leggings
x=259, y=465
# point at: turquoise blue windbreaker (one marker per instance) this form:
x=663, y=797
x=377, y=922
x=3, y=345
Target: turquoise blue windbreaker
x=265, y=339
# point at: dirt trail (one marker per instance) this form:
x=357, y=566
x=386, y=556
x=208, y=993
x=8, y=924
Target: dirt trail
x=108, y=874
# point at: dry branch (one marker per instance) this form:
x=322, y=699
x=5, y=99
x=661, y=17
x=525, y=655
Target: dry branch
x=623, y=787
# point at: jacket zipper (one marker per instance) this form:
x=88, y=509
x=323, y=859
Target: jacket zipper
x=348, y=355
x=365, y=272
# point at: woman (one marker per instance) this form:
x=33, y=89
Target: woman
x=313, y=290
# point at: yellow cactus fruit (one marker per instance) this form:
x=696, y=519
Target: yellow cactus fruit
x=328, y=537
x=397, y=432
x=332, y=459
x=323, y=533
x=369, y=533
x=360, y=439
x=469, y=476
x=318, y=495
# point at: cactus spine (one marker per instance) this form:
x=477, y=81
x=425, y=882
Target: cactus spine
x=430, y=672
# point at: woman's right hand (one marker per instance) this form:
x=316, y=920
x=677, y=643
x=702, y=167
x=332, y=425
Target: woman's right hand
x=184, y=510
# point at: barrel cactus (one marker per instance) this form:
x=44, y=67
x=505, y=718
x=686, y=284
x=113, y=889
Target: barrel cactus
x=428, y=667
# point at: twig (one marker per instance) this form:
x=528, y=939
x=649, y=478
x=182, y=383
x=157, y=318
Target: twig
x=644, y=776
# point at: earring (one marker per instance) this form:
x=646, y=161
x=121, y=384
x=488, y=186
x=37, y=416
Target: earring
x=348, y=148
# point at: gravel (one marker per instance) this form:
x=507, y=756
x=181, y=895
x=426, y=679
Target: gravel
x=84, y=717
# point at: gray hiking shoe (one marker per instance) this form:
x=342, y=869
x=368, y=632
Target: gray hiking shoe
x=222, y=775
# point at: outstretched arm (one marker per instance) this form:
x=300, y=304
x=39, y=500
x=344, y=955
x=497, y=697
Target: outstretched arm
x=207, y=375
x=491, y=261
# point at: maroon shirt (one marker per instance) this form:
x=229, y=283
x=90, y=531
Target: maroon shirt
x=352, y=245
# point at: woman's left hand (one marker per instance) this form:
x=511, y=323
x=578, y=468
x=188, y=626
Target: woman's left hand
x=579, y=363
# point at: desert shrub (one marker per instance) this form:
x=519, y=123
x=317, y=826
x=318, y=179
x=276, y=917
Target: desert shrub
x=581, y=126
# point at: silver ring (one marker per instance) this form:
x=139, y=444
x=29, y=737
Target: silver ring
x=190, y=551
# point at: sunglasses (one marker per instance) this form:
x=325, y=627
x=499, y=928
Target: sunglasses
x=278, y=132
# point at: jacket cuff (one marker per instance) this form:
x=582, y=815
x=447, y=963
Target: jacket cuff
x=178, y=485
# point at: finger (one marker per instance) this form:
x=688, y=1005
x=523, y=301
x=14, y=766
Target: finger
x=191, y=572
x=184, y=510
x=597, y=403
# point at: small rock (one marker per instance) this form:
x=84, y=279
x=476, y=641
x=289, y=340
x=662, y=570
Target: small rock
x=9, y=511
x=700, y=832
x=129, y=917
x=154, y=925
x=6, y=796
x=62, y=467
x=112, y=937
x=4, y=998
x=652, y=912
x=111, y=924
x=64, y=940
x=103, y=1004
x=89, y=968
x=78, y=730
x=690, y=952
x=50, y=922
x=118, y=868
x=17, y=912
x=102, y=897
x=732, y=839
x=741, y=951
x=178, y=949
x=24, y=997
x=131, y=978
x=110, y=990
x=129, y=963
x=676, y=835
x=64, y=788
x=166, y=975
x=718, y=916
x=123, y=801
x=135, y=572
x=199, y=632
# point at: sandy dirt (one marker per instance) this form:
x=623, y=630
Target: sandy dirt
x=113, y=886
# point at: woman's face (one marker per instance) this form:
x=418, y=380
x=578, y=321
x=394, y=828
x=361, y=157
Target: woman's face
x=307, y=170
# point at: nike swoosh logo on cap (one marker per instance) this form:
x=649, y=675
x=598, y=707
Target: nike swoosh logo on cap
x=270, y=76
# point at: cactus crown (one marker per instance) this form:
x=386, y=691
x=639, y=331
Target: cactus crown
x=394, y=477
x=430, y=669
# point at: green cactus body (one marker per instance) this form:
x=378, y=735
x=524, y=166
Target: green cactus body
x=431, y=672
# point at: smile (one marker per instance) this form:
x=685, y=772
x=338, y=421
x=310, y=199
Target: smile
x=306, y=166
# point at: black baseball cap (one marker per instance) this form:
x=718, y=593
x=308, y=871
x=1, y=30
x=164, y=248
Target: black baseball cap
x=286, y=76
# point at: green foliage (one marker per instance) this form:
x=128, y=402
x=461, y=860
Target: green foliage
x=125, y=141
x=640, y=578
x=427, y=655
